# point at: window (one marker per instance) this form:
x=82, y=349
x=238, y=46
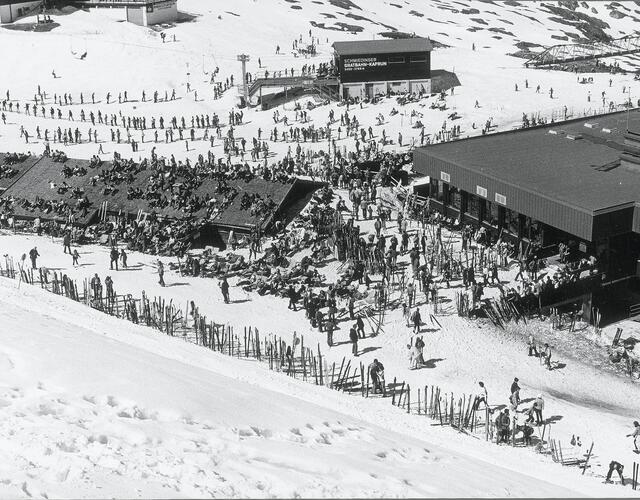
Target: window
x=501, y=199
x=396, y=60
x=480, y=191
x=445, y=177
x=418, y=59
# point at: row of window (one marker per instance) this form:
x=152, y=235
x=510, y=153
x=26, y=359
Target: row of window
x=480, y=191
x=412, y=59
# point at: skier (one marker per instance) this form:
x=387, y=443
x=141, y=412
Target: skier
x=224, y=286
x=33, y=255
x=635, y=434
x=123, y=258
x=160, y=273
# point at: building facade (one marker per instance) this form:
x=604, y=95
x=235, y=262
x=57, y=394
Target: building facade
x=10, y=10
x=140, y=12
x=379, y=67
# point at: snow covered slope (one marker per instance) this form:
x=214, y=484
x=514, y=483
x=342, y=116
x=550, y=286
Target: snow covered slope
x=97, y=407
x=122, y=56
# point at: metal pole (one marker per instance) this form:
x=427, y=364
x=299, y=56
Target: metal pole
x=243, y=58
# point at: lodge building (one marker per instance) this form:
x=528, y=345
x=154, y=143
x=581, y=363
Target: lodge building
x=576, y=182
x=376, y=67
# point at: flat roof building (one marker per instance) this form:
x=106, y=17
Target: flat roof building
x=575, y=182
x=371, y=67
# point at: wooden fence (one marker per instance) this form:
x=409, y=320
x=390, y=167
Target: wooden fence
x=295, y=359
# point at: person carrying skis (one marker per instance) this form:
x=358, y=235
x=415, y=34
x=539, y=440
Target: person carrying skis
x=635, y=434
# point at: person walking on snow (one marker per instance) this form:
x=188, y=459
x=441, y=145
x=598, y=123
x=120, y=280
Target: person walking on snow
x=160, y=273
x=353, y=336
x=224, y=287
x=66, y=242
x=481, y=397
x=33, y=255
x=417, y=320
x=114, y=254
x=538, y=406
x=75, y=257
x=515, y=391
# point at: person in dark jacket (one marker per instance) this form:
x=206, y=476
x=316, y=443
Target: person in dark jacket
x=224, y=287
x=376, y=373
x=353, y=336
x=360, y=327
x=66, y=242
x=33, y=255
x=114, y=254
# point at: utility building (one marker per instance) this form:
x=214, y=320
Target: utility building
x=10, y=10
x=371, y=67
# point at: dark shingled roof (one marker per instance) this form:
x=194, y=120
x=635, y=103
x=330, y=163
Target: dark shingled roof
x=382, y=46
x=36, y=173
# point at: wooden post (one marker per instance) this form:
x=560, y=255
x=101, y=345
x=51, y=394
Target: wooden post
x=393, y=393
x=586, y=464
x=408, y=399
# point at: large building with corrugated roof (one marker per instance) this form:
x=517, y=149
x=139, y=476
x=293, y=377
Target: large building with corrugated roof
x=576, y=182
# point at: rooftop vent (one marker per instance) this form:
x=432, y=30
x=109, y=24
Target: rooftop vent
x=590, y=125
x=606, y=130
x=554, y=132
x=574, y=137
